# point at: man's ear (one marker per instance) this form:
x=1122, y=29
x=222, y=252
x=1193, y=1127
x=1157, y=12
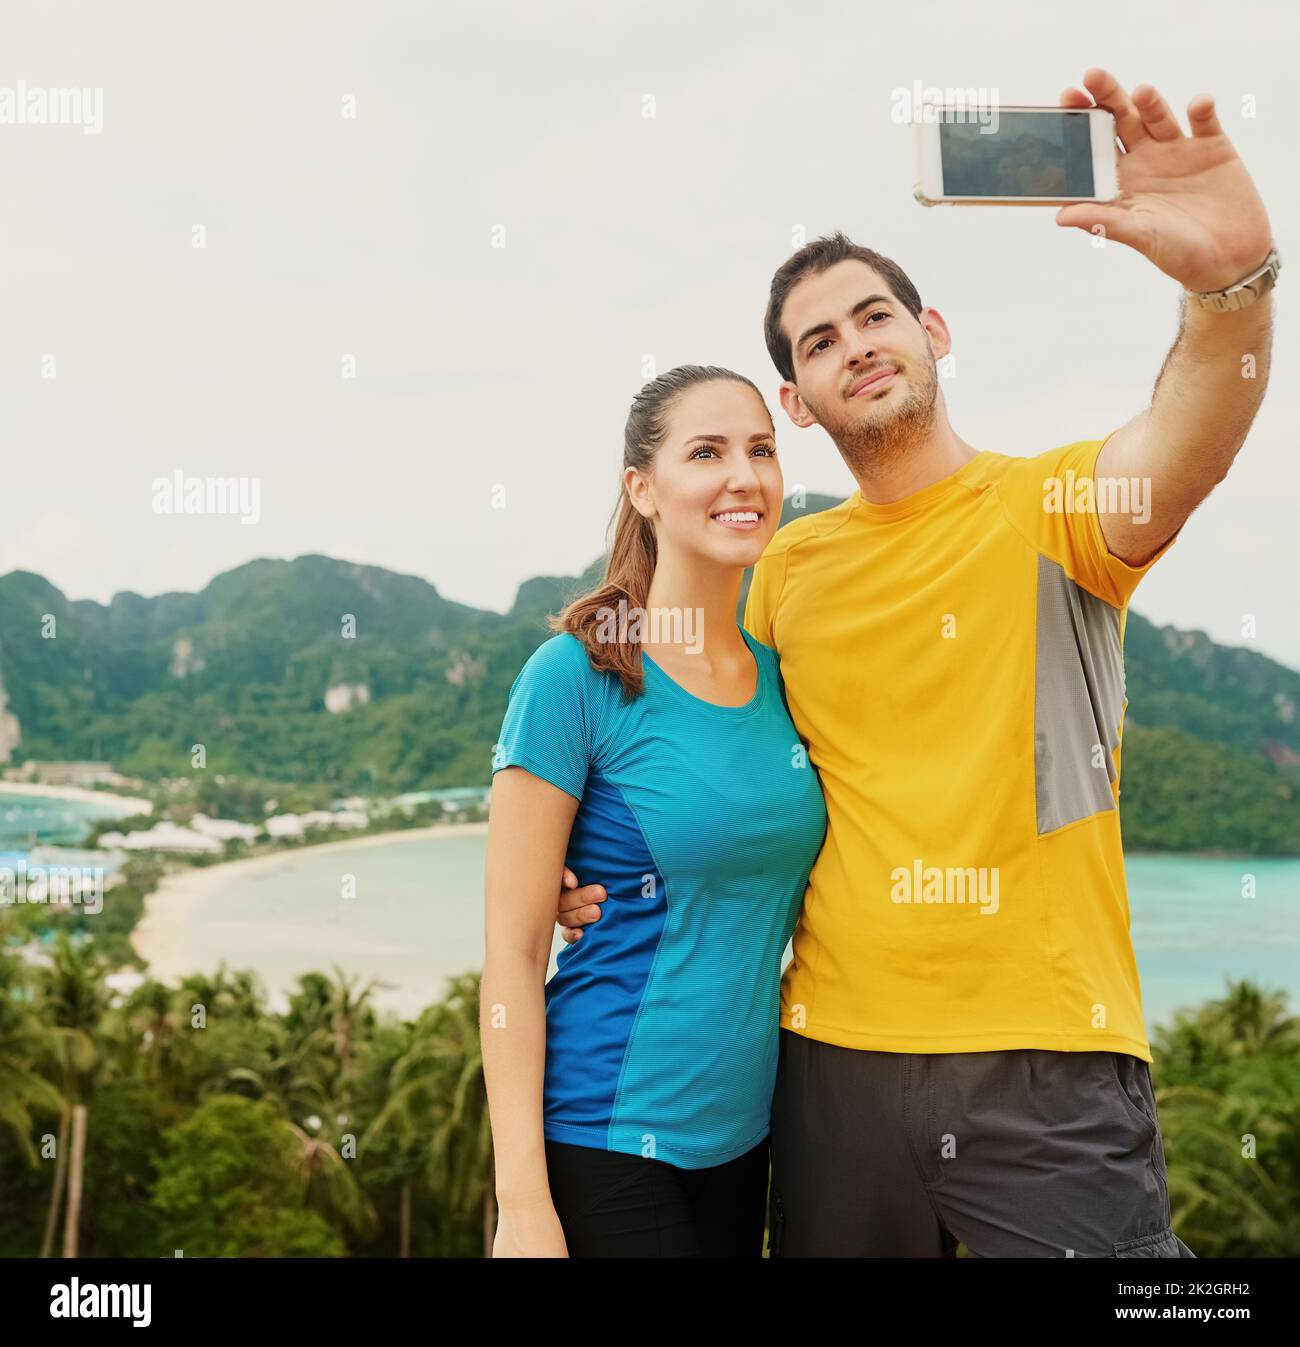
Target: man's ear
x=937, y=330
x=794, y=406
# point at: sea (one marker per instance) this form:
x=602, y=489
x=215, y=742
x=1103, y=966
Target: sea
x=407, y=915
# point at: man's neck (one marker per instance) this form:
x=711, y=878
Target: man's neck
x=940, y=455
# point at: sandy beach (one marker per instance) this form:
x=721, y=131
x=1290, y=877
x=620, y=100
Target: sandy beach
x=185, y=889
x=124, y=804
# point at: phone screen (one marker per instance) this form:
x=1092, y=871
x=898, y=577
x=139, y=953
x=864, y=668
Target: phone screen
x=1029, y=154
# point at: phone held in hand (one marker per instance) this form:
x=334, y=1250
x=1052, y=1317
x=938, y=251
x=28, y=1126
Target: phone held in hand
x=969, y=155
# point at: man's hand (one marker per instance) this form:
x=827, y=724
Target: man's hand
x=577, y=907
x=1188, y=204
x=1185, y=202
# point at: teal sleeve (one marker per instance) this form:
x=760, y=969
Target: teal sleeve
x=547, y=728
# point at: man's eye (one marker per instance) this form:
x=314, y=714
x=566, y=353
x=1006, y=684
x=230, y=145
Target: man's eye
x=879, y=313
x=813, y=349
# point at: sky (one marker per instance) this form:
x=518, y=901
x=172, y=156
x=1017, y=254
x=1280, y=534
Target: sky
x=441, y=246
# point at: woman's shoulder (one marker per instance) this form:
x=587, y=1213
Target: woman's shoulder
x=561, y=661
x=561, y=655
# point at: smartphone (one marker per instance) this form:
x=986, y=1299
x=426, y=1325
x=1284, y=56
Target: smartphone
x=1014, y=156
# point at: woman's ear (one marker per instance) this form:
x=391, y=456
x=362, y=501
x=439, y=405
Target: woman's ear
x=638, y=492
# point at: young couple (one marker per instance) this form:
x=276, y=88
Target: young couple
x=911, y=749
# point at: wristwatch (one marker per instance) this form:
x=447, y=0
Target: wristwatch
x=1245, y=291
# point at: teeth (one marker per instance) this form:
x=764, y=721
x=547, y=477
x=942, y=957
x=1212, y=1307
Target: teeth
x=739, y=516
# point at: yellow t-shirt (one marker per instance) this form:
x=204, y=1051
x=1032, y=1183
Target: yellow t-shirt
x=954, y=663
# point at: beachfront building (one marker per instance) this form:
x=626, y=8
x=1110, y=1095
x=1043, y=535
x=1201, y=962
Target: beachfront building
x=451, y=798
x=284, y=825
x=224, y=829
x=165, y=836
x=335, y=818
x=83, y=774
x=295, y=825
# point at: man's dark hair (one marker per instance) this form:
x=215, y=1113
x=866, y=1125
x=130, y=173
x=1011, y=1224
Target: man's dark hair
x=811, y=260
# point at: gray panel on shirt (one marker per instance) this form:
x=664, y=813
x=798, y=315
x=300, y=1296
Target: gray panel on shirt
x=1079, y=700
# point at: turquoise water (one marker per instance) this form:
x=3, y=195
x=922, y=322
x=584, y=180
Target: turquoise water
x=28, y=819
x=1192, y=928
x=417, y=918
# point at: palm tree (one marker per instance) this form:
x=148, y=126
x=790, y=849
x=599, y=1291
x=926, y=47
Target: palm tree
x=315, y=1054
x=149, y=1017
x=72, y=998
x=330, y=1177
x=25, y=1045
x=1234, y=1070
x=294, y=1075
x=351, y=1020
x=1252, y=1019
x=437, y=1105
x=332, y=1013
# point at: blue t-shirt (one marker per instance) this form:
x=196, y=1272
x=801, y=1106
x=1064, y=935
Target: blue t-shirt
x=702, y=822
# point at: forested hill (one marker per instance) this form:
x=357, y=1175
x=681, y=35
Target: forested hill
x=358, y=678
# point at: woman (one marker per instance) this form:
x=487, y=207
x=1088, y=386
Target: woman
x=648, y=747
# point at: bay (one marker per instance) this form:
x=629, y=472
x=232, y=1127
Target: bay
x=415, y=918
x=47, y=820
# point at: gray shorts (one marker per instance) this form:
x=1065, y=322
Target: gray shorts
x=1018, y=1153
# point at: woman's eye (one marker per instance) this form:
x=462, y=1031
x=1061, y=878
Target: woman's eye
x=703, y=449
x=768, y=449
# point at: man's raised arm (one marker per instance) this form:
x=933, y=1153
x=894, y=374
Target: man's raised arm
x=1187, y=204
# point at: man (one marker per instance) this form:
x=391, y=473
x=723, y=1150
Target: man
x=963, y=1051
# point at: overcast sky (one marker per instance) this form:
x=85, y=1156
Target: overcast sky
x=628, y=238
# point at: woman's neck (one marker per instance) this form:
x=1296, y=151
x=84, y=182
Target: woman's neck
x=692, y=612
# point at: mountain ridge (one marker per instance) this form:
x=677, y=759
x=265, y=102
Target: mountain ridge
x=362, y=678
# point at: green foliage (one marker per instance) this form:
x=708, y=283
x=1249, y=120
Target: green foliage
x=1179, y=793
x=224, y=1130
x=122, y=1147
x=243, y=668
x=1228, y=695
x=228, y=1187
x=217, y=1127
x=1228, y=1078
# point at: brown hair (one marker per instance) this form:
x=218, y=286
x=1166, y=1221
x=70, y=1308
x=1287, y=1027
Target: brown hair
x=634, y=551
x=811, y=260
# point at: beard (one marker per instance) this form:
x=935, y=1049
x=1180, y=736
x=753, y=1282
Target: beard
x=875, y=441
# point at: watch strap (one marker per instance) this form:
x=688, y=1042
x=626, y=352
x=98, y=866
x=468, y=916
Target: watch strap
x=1245, y=291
